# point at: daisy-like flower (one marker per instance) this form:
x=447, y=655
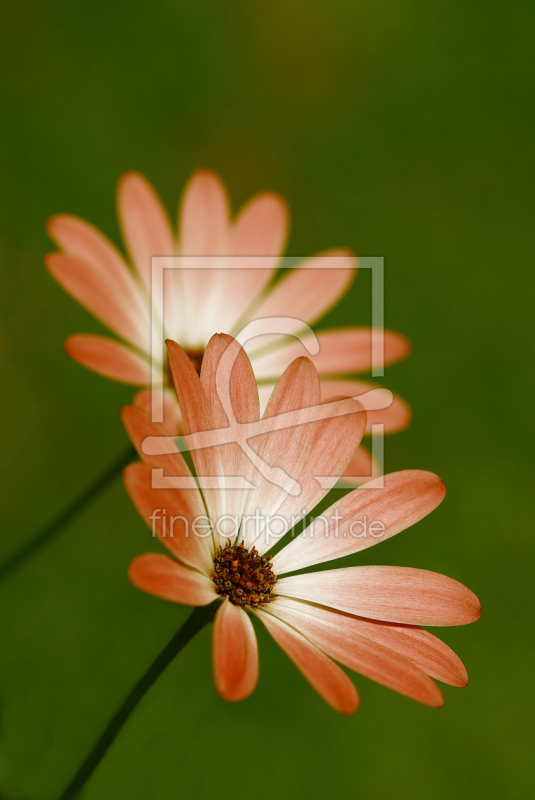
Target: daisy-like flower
x=117, y=291
x=366, y=618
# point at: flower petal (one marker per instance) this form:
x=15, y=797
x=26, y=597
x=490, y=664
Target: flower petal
x=393, y=594
x=342, y=351
x=162, y=577
x=196, y=418
x=204, y=229
x=321, y=672
x=305, y=293
x=171, y=514
x=261, y=228
x=362, y=468
x=334, y=443
x=363, y=518
x=139, y=427
x=144, y=222
x=394, y=414
x=109, y=358
x=256, y=241
x=93, y=271
x=204, y=215
x=284, y=450
x=235, y=652
x=428, y=652
x=147, y=232
x=229, y=382
x=172, y=421
x=360, y=653
x=382, y=406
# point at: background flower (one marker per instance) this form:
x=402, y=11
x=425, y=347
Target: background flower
x=198, y=303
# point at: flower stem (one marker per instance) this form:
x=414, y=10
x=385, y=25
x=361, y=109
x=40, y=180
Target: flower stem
x=49, y=531
x=198, y=618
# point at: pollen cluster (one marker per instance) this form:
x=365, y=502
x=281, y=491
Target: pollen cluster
x=243, y=576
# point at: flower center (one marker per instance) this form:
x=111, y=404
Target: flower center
x=243, y=576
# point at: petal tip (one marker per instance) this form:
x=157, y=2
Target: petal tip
x=129, y=412
x=350, y=708
x=130, y=174
x=69, y=345
x=53, y=222
x=204, y=177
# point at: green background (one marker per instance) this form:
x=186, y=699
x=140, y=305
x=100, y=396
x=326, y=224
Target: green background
x=402, y=129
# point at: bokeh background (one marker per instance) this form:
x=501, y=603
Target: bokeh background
x=401, y=129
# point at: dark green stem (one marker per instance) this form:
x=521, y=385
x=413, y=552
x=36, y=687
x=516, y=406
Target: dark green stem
x=47, y=534
x=198, y=618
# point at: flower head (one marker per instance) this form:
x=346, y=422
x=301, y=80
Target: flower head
x=198, y=302
x=254, y=471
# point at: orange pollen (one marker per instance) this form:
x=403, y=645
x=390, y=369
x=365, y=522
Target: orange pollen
x=243, y=576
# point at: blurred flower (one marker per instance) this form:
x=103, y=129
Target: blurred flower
x=198, y=303
x=365, y=618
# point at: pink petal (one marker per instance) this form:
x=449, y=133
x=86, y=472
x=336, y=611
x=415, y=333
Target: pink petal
x=394, y=594
x=362, y=468
x=343, y=351
x=434, y=657
x=256, y=241
x=172, y=421
x=139, y=427
x=196, y=417
x=285, y=449
x=229, y=383
x=334, y=443
x=360, y=653
x=145, y=225
x=204, y=215
x=235, y=653
x=162, y=577
x=261, y=228
x=321, y=672
x=93, y=271
x=170, y=514
x=395, y=417
x=306, y=295
x=147, y=232
x=109, y=358
x=204, y=227
x=228, y=380
x=363, y=518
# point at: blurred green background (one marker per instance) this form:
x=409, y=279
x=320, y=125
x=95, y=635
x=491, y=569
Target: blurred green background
x=402, y=129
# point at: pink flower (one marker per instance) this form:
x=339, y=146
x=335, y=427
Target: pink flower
x=96, y=274
x=366, y=618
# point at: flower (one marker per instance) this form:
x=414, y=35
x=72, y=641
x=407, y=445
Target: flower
x=96, y=274
x=366, y=618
